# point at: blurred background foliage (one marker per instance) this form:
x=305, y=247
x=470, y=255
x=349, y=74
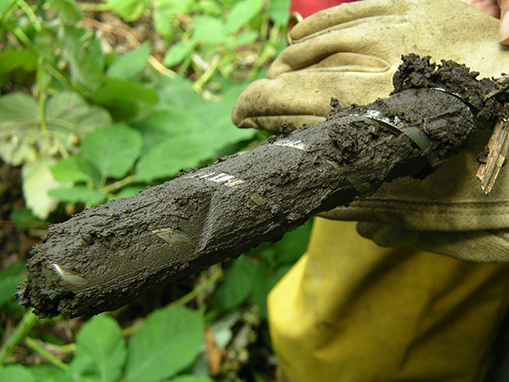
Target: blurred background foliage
x=99, y=100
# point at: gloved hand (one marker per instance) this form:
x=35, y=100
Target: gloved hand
x=350, y=53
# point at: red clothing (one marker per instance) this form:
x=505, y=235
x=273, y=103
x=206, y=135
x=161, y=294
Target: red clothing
x=308, y=7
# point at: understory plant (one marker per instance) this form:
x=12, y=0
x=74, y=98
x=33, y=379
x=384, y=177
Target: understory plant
x=98, y=101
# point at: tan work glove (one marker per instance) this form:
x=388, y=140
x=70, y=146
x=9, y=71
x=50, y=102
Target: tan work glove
x=350, y=53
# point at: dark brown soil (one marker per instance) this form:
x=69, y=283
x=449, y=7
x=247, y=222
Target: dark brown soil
x=104, y=257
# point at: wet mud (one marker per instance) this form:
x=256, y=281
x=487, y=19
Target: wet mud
x=103, y=257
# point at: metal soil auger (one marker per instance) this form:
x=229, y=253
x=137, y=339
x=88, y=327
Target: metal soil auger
x=104, y=257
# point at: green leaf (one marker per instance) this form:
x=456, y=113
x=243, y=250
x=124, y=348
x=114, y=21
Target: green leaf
x=77, y=194
x=129, y=10
x=159, y=126
x=165, y=10
x=242, y=13
x=168, y=342
x=4, y=4
x=23, y=218
x=16, y=373
x=279, y=11
x=128, y=192
x=131, y=63
x=209, y=30
x=166, y=159
x=18, y=114
x=208, y=7
x=112, y=150
x=9, y=279
x=16, y=60
x=19, y=130
x=37, y=181
x=264, y=279
x=68, y=113
x=75, y=169
x=68, y=118
x=124, y=99
x=49, y=373
x=100, y=340
x=237, y=284
x=68, y=10
x=192, y=378
x=84, y=55
x=294, y=244
x=178, y=52
x=247, y=37
x=203, y=129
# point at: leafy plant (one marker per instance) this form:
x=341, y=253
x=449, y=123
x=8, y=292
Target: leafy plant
x=98, y=101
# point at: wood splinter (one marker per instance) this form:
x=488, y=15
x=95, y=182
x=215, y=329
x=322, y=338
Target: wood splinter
x=497, y=150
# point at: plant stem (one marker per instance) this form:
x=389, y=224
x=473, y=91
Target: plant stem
x=20, y=333
x=37, y=347
x=267, y=51
x=118, y=185
x=41, y=88
x=92, y=7
x=8, y=9
x=181, y=301
x=198, y=85
x=30, y=14
x=199, y=289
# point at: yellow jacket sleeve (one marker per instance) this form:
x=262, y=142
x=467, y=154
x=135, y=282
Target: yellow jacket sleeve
x=351, y=311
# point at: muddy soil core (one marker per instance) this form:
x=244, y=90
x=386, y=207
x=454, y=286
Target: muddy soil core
x=106, y=256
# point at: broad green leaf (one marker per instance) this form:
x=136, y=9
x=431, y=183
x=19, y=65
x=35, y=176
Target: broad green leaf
x=85, y=58
x=237, y=284
x=293, y=245
x=100, y=339
x=208, y=129
x=49, y=373
x=4, y=4
x=161, y=125
x=75, y=169
x=128, y=192
x=241, y=14
x=77, y=194
x=175, y=153
x=192, y=378
x=37, y=181
x=264, y=279
x=129, y=10
x=112, y=150
x=9, y=279
x=178, y=52
x=11, y=60
x=165, y=10
x=209, y=30
x=279, y=11
x=131, y=63
x=68, y=10
x=18, y=114
x=16, y=373
x=208, y=7
x=243, y=39
x=68, y=113
x=68, y=118
x=168, y=342
x=125, y=99
x=16, y=151
x=177, y=93
x=82, y=369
